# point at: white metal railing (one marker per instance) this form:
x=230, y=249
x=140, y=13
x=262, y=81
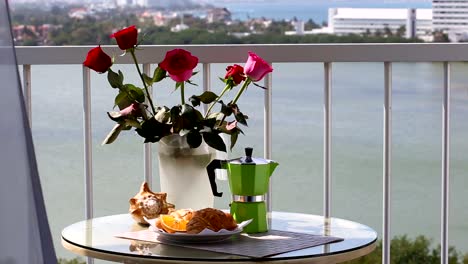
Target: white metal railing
x=387, y=154
x=286, y=53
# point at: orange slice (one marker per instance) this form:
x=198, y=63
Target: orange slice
x=171, y=224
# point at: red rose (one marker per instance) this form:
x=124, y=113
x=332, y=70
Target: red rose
x=98, y=60
x=256, y=68
x=236, y=72
x=126, y=38
x=179, y=64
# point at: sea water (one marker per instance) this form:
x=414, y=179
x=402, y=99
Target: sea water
x=357, y=121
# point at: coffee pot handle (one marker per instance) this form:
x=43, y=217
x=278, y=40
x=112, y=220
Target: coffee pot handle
x=215, y=164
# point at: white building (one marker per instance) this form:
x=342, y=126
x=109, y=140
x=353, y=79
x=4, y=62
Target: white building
x=451, y=17
x=343, y=21
x=124, y=3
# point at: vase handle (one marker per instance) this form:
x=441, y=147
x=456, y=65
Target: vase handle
x=215, y=164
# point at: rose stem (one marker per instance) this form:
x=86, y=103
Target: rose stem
x=246, y=83
x=182, y=95
x=132, y=51
x=217, y=99
x=244, y=86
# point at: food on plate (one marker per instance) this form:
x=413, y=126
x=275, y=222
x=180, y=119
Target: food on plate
x=193, y=222
x=175, y=221
x=148, y=204
x=185, y=214
x=173, y=224
x=212, y=219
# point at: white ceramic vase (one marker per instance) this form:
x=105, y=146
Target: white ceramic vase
x=182, y=172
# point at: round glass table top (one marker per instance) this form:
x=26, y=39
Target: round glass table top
x=96, y=238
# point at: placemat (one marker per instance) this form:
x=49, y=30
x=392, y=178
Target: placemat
x=259, y=245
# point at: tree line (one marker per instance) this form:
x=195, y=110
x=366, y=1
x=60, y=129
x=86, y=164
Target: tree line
x=95, y=29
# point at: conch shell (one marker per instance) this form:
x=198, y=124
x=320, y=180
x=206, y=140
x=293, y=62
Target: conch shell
x=148, y=204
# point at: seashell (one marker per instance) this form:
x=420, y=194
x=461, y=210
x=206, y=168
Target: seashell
x=148, y=204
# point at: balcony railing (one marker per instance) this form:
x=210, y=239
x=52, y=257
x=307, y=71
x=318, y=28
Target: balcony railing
x=326, y=54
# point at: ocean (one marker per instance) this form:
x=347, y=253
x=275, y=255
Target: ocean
x=305, y=10
x=297, y=145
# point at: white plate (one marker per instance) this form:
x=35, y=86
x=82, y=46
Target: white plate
x=197, y=238
x=205, y=236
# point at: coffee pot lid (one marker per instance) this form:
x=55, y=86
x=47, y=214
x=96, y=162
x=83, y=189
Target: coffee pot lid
x=248, y=160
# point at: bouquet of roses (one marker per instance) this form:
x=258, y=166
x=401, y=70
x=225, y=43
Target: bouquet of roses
x=153, y=122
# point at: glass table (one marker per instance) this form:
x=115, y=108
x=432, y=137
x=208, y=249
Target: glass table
x=96, y=238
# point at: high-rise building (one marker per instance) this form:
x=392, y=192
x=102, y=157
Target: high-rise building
x=451, y=17
x=415, y=22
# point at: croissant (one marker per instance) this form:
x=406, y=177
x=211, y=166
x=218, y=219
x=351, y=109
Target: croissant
x=212, y=219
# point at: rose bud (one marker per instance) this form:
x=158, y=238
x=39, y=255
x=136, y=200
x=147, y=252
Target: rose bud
x=98, y=60
x=256, y=68
x=236, y=72
x=179, y=64
x=126, y=38
x=131, y=111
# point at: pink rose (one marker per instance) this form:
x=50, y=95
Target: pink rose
x=98, y=60
x=131, y=110
x=179, y=64
x=126, y=38
x=256, y=68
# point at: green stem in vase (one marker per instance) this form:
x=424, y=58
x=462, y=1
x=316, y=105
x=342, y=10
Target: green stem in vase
x=246, y=83
x=242, y=89
x=227, y=88
x=182, y=92
x=132, y=51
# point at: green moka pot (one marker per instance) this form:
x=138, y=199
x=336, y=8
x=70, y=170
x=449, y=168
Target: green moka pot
x=249, y=179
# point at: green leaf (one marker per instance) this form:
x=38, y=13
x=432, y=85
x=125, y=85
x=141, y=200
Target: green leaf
x=175, y=111
x=132, y=123
x=178, y=85
x=194, y=139
x=184, y=132
x=138, y=95
x=122, y=100
x=187, y=110
x=208, y=97
x=241, y=118
x=234, y=137
x=194, y=100
x=135, y=93
x=209, y=122
x=112, y=136
x=215, y=115
x=163, y=115
x=114, y=116
x=176, y=119
x=153, y=131
x=159, y=74
x=192, y=117
x=121, y=76
x=198, y=116
x=148, y=80
x=190, y=82
x=114, y=79
x=225, y=109
x=264, y=88
x=214, y=140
